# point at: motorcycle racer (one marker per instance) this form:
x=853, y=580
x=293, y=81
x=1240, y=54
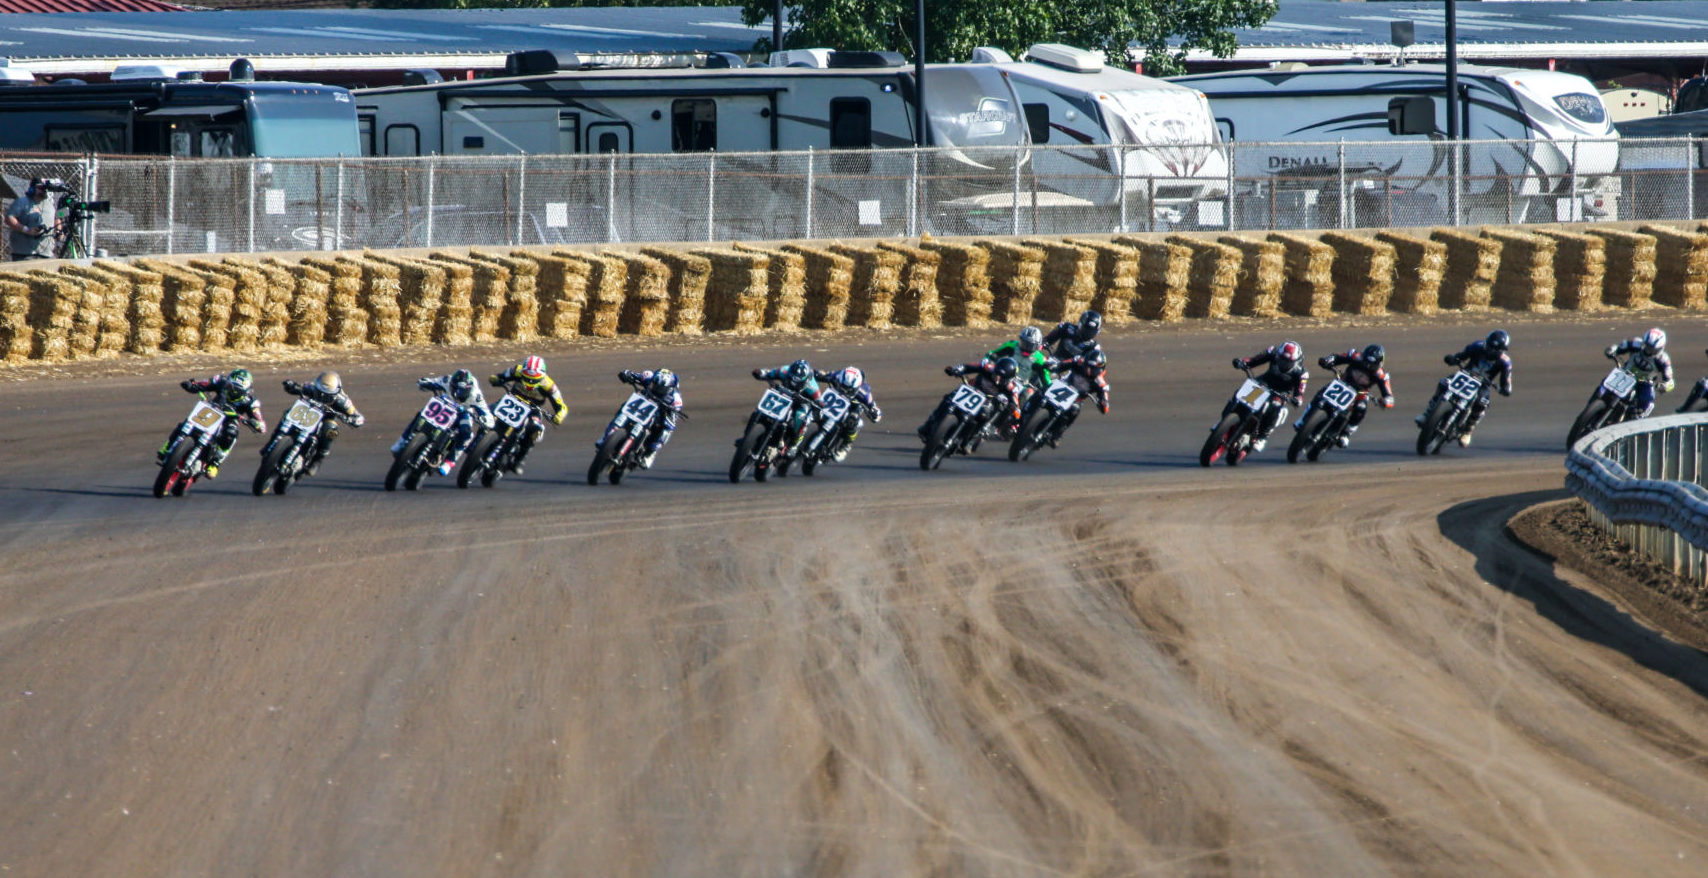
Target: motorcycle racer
x=1071, y=339
x=661, y=386
x=1286, y=377
x=997, y=380
x=1029, y=358
x=1364, y=373
x=1086, y=373
x=230, y=393
x=1697, y=392
x=529, y=382
x=1488, y=360
x=327, y=389
x=1651, y=365
x=796, y=377
x=471, y=403
x=852, y=382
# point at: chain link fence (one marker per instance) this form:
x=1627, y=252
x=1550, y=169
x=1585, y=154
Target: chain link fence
x=162, y=205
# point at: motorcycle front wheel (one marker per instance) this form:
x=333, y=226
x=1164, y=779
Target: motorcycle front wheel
x=1216, y=446
x=937, y=447
x=1305, y=440
x=267, y=477
x=171, y=470
x=1592, y=417
x=1026, y=438
x=400, y=467
x=746, y=452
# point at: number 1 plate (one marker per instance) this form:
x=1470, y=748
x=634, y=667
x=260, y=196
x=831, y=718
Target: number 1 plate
x=1253, y=394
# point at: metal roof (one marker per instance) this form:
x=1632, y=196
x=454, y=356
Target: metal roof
x=349, y=39
x=1311, y=30
x=63, y=6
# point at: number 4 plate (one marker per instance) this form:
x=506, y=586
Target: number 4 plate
x=1061, y=395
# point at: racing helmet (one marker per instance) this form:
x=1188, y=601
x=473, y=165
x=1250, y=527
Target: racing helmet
x=663, y=383
x=1006, y=368
x=1375, y=354
x=799, y=372
x=1497, y=341
x=850, y=378
x=1288, y=354
x=1093, y=357
x=1090, y=323
x=1030, y=340
x=238, y=382
x=462, y=385
x=329, y=382
x=533, y=368
x=1654, y=341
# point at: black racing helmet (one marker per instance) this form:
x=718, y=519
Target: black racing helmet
x=1498, y=341
x=462, y=385
x=1374, y=355
x=1006, y=368
x=1090, y=323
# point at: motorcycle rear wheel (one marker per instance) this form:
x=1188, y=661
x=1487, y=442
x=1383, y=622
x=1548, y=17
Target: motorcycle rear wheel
x=745, y=453
x=1216, y=446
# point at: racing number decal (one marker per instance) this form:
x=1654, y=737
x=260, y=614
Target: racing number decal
x=1061, y=394
x=835, y=406
x=774, y=404
x=511, y=411
x=1338, y=395
x=1464, y=384
x=640, y=408
x=440, y=415
x=303, y=415
x=206, y=417
x=968, y=400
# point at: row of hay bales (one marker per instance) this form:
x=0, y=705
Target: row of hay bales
x=450, y=298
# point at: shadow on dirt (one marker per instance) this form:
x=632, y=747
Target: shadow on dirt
x=1480, y=527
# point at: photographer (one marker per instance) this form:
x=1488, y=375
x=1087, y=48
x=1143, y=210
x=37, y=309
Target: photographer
x=29, y=222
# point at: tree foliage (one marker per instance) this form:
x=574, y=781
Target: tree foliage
x=954, y=27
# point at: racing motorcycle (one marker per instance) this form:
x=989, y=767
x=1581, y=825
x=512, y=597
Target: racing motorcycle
x=763, y=446
x=431, y=444
x=192, y=447
x=1449, y=411
x=822, y=438
x=1230, y=439
x=1613, y=401
x=1038, y=419
x=1327, y=422
x=494, y=449
x=625, y=439
x=292, y=446
x=963, y=427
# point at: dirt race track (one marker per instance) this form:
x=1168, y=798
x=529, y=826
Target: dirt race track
x=1105, y=661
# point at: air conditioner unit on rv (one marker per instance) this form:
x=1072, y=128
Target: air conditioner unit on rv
x=1065, y=57
x=10, y=75
x=143, y=72
x=991, y=55
x=801, y=58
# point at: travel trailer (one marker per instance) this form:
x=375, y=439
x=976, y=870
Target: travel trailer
x=1114, y=135
x=1542, y=147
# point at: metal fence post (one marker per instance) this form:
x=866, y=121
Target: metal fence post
x=711, y=196
x=251, y=248
x=1458, y=179
x=1121, y=186
x=171, y=198
x=810, y=184
x=1574, y=208
x=1231, y=179
x=913, y=194
x=338, y=211
x=92, y=188
x=1690, y=177
x=521, y=199
x=1340, y=186
x=1017, y=157
x=432, y=164
x=611, y=197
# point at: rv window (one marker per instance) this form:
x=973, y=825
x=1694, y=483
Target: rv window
x=402, y=140
x=365, y=128
x=1038, y=120
x=1414, y=115
x=474, y=142
x=850, y=123
x=90, y=138
x=1583, y=107
x=219, y=142
x=693, y=125
x=608, y=142
x=181, y=144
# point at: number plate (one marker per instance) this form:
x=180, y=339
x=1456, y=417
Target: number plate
x=1061, y=395
x=775, y=405
x=205, y=417
x=639, y=409
x=968, y=400
x=305, y=415
x=1619, y=382
x=1464, y=385
x=832, y=406
x=1253, y=394
x=440, y=411
x=1338, y=395
x=511, y=411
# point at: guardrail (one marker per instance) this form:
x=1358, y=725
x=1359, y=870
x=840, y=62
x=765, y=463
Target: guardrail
x=1642, y=482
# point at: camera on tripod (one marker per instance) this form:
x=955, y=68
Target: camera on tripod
x=72, y=204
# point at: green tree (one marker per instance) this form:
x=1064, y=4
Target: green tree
x=954, y=27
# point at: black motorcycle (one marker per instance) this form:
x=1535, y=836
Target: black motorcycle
x=295, y=442
x=964, y=426
x=1230, y=439
x=1039, y=418
x=1327, y=422
x=495, y=448
x=625, y=439
x=430, y=444
x=1614, y=401
x=763, y=445
x=1448, y=415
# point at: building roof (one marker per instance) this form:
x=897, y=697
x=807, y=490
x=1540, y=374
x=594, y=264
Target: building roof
x=63, y=6
x=1320, y=30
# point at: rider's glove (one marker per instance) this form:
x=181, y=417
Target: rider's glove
x=188, y=386
x=1611, y=350
x=1325, y=362
x=955, y=371
x=495, y=381
x=1506, y=391
x=559, y=415
x=257, y=425
x=424, y=383
x=1387, y=402
x=1295, y=399
x=292, y=386
x=1103, y=406
x=1667, y=387
x=1450, y=360
x=357, y=420
x=876, y=413
x=759, y=374
x=1239, y=363
x=625, y=376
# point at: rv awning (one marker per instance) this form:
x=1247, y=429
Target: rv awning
x=195, y=111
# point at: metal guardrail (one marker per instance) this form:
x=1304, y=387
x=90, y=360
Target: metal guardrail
x=1643, y=484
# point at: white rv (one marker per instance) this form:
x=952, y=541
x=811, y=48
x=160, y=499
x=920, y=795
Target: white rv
x=1111, y=133
x=1543, y=147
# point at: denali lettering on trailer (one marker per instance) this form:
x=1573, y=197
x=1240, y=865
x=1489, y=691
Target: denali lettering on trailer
x=1277, y=162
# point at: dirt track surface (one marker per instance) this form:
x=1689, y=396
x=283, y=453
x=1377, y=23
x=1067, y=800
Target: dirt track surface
x=1105, y=661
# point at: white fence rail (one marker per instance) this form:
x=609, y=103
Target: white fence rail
x=1643, y=483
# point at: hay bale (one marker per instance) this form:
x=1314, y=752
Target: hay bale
x=16, y=338
x=829, y=281
x=561, y=290
x=876, y=281
x=1262, y=274
x=147, y=325
x=917, y=302
x=221, y=299
x=607, y=284
x=1525, y=279
x=1580, y=268
x=346, y=320
x=1069, y=280
x=1363, y=273
x=1116, y=279
x=54, y=303
x=646, y=294
x=382, y=293
x=520, y=318
x=1631, y=270
x=736, y=292
x=688, y=276
x=1016, y=278
x=313, y=287
x=249, y=301
x=786, y=282
x=276, y=306
x=181, y=298
x=1472, y=261
x=454, y=324
x=1419, y=264
x=1165, y=269
x=1681, y=266
x=421, y=295
x=488, y=296
x=1214, y=275
x=1308, y=290
x=111, y=308
x=963, y=282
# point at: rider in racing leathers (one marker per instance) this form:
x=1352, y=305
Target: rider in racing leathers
x=1086, y=374
x=1650, y=364
x=796, y=377
x=230, y=393
x=1486, y=359
x=471, y=407
x=529, y=382
x=851, y=381
x=1697, y=393
x=1029, y=358
x=328, y=390
x=1069, y=340
x=661, y=387
x=996, y=380
x=1364, y=373
x=1286, y=378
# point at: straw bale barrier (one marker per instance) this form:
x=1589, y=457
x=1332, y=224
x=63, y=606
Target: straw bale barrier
x=144, y=324
x=382, y=289
x=1630, y=279
x=736, y=291
x=1262, y=274
x=1363, y=273
x=111, y=302
x=346, y=322
x=1419, y=265
x=1580, y=268
x=688, y=276
x=785, y=283
x=1681, y=266
x=520, y=318
x=220, y=298
x=276, y=308
x=1116, y=279
x=1016, y=278
x=1309, y=288
x=646, y=296
x=1525, y=280
x=917, y=302
x=829, y=279
x=1211, y=276
x=877, y=281
x=1472, y=261
x=421, y=295
x=561, y=288
x=54, y=302
x=489, y=291
x=1069, y=280
x=1165, y=270
x=607, y=284
x=455, y=323
x=963, y=282
x=181, y=298
x=16, y=337
x=249, y=299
